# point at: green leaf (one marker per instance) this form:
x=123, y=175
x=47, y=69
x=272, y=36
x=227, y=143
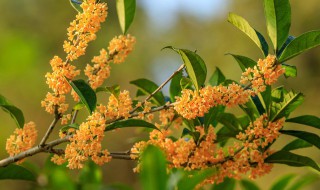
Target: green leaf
x=227, y=184
x=153, y=169
x=290, y=70
x=300, y=44
x=126, y=10
x=65, y=128
x=278, y=17
x=148, y=87
x=115, y=90
x=189, y=183
x=185, y=83
x=243, y=61
x=307, y=136
x=248, y=185
x=266, y=98
x=224, y=134
x=86, y=94
x=195, y=66
x=78, y=106
x=244, y=121
x=283, y=182
x=217, y=78
x=130, y=123
x=210, y=118
x=289, y=103
x=76, y=5
x=250, y=109
x=16, y=172
x=296, y=144
x=14, y=112
x=90, y=174
x=289, y=39
x=304, y=181
x=291, y=159
x=229, y=120
x=175, y=88
x=245, y=27
x=309, y=120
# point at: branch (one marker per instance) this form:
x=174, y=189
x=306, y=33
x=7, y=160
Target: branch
x=52, y=125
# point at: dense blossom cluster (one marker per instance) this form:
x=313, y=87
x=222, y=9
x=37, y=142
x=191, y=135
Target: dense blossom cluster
x=240, y=158
x=22, y=140
x=120, y=47
x=119, y=106
x=195, y=103
x=86, y=143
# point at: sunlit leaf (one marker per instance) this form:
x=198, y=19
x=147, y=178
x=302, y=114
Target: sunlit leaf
x=296, y=144
x=290, y=70
x=309, y=120
x=14, y=112
x=130, y=123
x=307, y=136
x=300, y=44
x=291, y=159
x=86, y=94
x=245, y=27
x=16, y=172
x=126, y=10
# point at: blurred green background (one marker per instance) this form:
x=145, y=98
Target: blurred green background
x=33, y=31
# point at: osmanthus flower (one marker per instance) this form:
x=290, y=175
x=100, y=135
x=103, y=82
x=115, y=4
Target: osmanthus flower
x=86, y=143
x=98, y=72
x=53, y=102
x=120, y=47
x=22, y=139
x=119, y=106
x=83, y=29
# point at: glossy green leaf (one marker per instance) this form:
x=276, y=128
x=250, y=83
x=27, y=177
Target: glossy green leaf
x=309, y=120
x=291, y=159
x=189, y=183
x=290, y=70
x=307, y=136
x=259, y=104
x=115, y=90
x=300, y=44
x=195, y=66
x=245, y=27
x=130, y=123
x=283, y=182
x=153, y=169
x=229, y=120
x=148, y=87
x=16, y=172
x=227, y=184
x=175, y=88
x=86, y=94
x=278, y=17
x=76, y=5
x=126, y=10
x=243, y=61
x=248, y=185
x=303, y=181
x=290, y=102
x=266, y=98
x=210, y=118
x=217, y=78
x=296, y=144
x=14, y=112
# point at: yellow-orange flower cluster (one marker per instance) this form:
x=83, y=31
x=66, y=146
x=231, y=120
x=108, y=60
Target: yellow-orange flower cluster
x=85, y=144
x=82, y=30
x=120, y=47
x=266, y=72
x=99, y=71
x=118, y=106
x=22, y=140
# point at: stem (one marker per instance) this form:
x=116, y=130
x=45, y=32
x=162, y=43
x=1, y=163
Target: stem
x=73, y=120
x=46, y=136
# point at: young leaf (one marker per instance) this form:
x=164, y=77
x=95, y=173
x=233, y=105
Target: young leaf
x=227, y=184
x=195, y=66
x=86, y=94
x=296, y=144
x=290, y=70
x=290, y=102
x=126, y=10
x=217, y=78
x=76, y=5
x=189, y=183
x=307, y=136
x=300, y=44
x=16, y=172
x=14, y=112
x=309, y=120
x=254, y=35
x=248, y=185
x=175, y=88
x=148, y=87
x=291, y=159
x=278, y=17
x=153, y=169
x=130, y=123
x=243, y=61
x=283, y=182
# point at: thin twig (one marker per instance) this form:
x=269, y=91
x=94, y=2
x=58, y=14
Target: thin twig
x=52, y=125
x=74, y=117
